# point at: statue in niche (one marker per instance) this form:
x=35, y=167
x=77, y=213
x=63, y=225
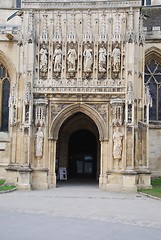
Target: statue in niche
x=117, y=144
x=39, y=139
x=57, y=58
x=116, y=59
x=88, y=58
x=102, y=59
x=43, y=59
x=72, y=58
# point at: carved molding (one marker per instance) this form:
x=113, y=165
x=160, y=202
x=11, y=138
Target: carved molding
x=79, y=4
x=56, y=108
x=102, y=109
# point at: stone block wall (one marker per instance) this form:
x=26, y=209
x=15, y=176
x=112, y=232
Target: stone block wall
x=4, y=153
x=155, y=150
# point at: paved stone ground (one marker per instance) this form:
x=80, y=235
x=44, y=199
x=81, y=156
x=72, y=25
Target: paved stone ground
x=78, y=212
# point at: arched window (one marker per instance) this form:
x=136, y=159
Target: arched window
x=18, y=3
x=153, y=80
x=4, y=93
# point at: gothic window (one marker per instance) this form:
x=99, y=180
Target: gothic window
x=153, y=80
x=146, y=2
x=18, y=3
x=4, y=93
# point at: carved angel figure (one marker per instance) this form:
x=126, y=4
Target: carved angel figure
x=57, y=58
x=72, y=57
x=43, y=59
x=116, y=59
x=102, y=59
x=88, y=59
x=39, y=139
x=117, y=144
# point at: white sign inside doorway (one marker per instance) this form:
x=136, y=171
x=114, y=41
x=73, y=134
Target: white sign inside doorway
x=62, y=173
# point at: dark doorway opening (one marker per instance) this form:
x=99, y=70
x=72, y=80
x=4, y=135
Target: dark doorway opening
x=82, y=155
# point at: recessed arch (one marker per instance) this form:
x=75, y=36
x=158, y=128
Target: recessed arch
x=8, y=65
x=153, y=53
x=75, y=108
x=153, y=81
x=7, y=72
x=79, y=137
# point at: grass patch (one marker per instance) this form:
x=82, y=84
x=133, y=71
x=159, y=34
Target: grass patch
x=156, y=188
x=2, y=182
x=6, y=187
x=156, y=182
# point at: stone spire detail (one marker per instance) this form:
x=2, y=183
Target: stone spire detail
x=30, y=35
x=57, y=37
x=44, y=34
x=103, y=30
x=72, y=36
x=88, y=37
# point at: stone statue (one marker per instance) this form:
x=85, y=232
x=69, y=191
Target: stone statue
x=43, y=59
x=72, y=57
x=39, y=143
x=57, y=59
x=102, y=59
x=88, y=59
x=116, y=59
x=117, y=144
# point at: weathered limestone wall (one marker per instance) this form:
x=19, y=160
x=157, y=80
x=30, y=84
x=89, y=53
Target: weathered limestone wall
x=9, y=56
x=152, y=28
x=4, y=153
x=155, y=150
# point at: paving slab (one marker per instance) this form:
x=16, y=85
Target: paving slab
x=79, y=211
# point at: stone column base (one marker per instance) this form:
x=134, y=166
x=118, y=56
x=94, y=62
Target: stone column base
x=39, y=179
x=24, y=178
x=129, y=181
x=121, y=181
x=12, y=175
x=102, y=182
x=114, y=181
x=144, y=178
x=52, y=180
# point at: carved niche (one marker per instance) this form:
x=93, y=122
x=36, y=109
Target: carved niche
x=117, y=112
x=40, y=111
x=13, y=105
x=39, y=141
x=43, y=60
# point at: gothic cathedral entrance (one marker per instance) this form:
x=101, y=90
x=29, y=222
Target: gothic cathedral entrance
x=78, y=148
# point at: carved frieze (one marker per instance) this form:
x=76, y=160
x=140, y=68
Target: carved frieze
x=79, y=4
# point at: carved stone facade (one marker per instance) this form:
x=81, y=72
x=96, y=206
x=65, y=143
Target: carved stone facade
x=78, y=68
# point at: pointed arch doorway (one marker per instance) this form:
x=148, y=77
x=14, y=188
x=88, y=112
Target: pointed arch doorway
x=82, y=155
x=78, y=148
